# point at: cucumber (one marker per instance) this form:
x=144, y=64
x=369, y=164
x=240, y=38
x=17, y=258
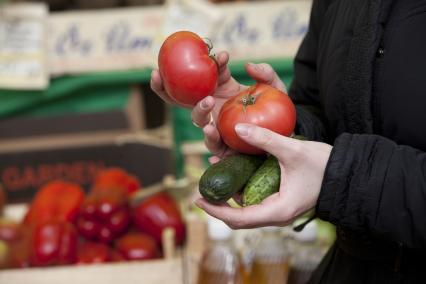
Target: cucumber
x=225, y=178
x=264, y=182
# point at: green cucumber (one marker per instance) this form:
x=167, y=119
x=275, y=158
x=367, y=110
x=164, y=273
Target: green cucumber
x=225, y=178
x=264, y=182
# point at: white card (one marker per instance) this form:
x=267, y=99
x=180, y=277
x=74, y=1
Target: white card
x=23, y=46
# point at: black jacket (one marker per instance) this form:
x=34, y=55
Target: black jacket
x=360, y=85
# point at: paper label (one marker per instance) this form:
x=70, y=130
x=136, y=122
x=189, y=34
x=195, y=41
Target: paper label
x=264, y=29
x=23, y=47
x=118, y=39
x=130, y=38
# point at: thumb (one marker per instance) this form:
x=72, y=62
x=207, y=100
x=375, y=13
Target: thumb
x=273, y=143
x=264, y=73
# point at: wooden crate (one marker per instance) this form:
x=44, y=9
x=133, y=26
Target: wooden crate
x=149, y=272
x=168, y=270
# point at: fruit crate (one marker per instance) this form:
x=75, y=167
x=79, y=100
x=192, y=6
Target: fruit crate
x=151, y=272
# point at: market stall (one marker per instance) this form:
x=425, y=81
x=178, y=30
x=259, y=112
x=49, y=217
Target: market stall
x=96, y=169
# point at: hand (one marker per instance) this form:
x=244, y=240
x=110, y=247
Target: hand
x=207, y=110
x=302, y=169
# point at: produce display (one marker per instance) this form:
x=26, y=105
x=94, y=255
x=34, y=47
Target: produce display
x=188, y=70
x=63, y=225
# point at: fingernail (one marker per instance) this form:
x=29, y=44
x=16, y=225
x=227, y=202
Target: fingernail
x=242, y=130
x=256, y=66
x=205, y=103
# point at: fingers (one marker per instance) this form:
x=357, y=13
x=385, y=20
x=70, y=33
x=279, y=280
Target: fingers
x=212, y=138
x=158, y=88
x=237, y=218
x=264, y=73
x=222, y=59
x=280, y=146
x=213, y=142
x=265, y=214
x=201, y=113
x=214, y=159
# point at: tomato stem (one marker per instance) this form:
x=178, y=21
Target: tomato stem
x=209, y=44
x=249, y=99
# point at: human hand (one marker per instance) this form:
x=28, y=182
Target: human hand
x=205, y=113
x=302, y=169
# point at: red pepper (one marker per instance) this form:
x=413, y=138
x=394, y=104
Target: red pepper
x=104, y=216
x=93, y=253
x=54, y=243
x=116, y=178
x=137, y=246
x=57, y=200
x=158, y=212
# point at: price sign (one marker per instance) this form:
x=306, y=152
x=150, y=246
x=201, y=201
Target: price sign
x=23, y=46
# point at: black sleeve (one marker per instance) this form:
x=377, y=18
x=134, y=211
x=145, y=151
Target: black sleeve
x=375, y=186
x=304, y=88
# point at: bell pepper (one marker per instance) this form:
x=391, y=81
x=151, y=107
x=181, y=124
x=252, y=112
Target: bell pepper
x=104, y=216
x=137, y=246
x=93, y=253
x=116, y=178
x=56, y=200
x=54, y=243
x=156, y=213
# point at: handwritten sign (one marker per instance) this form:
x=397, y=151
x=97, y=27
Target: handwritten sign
x=118, y=39
x=264, y=29
x=23, y=46
x=130, y=38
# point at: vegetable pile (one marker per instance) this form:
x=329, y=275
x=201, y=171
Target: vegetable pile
x=63, y=225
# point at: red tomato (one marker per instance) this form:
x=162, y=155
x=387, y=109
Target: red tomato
x=137, y=246
x=157, y=213
x=93, y=253
x=55, y=201
x=262, y=105
x=188, y=71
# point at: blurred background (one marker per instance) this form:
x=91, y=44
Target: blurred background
x=76, y=105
